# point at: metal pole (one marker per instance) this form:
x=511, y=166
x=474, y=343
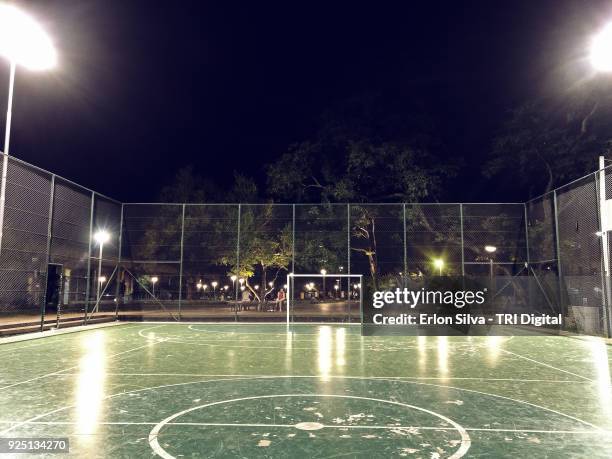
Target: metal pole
x=180, y=299
x=118, y=279
x=606, y=294
x=237, y=262
x=348, y=258
x=88, y=283
x=43, y=306
x=99, y=278
x=405, y=246
x=5, y=156
x=462, y=242
x=527, y=234
x=558, y=249
x=293, y=242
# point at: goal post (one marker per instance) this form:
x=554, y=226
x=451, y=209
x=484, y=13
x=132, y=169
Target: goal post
x=324, y=297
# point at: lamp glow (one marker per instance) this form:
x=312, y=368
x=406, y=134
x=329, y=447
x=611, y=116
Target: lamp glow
x=23, y=41
x=490, y=248
x=601, y=50
x=439, y=264
x=101, y=237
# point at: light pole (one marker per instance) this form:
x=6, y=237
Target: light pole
x=23, y=42
x=490, y=249
x=154, y=281
x=214, y=286
x=323, y=273
x=233, y=278
x=101, y=237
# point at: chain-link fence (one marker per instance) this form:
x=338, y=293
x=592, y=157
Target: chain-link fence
x=230, y=261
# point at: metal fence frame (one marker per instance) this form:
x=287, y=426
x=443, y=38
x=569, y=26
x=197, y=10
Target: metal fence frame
x=523, y=208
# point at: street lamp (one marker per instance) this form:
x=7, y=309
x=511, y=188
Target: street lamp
x=323, y=273
x=154, y=281
x=23, y=42
x=233, y=278
x=439, y=264
x=490, y=249
x=214, y=286
x=101, y=237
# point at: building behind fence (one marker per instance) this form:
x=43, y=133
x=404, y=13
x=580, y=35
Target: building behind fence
x=169, y=258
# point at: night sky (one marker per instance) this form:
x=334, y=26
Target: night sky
x=146, y=87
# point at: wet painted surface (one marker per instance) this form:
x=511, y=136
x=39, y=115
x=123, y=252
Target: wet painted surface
x=206, y=390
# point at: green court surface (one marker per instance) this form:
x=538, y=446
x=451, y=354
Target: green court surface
x=317, y=391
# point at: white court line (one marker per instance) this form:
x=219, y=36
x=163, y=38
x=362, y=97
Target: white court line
x=443, y=378
x=59, y=372
x=160, y=451
x=545, y=364
x=325, y=426
x=149, y=328
x=57, y=410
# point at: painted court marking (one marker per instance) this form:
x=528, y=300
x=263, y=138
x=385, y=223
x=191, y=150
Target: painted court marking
x=545, y=364
x=426, y=378
x=57, y=410
x=155, y=446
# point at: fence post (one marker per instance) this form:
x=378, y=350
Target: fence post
x=405, y=247
x=600, y=196
x=180, y=298
x=558, y=249
x=88, y=286
x=348, y=258
x=118, y=268
x=292, y=242
x=527, y=234
x=462, y=240
x=237, y=263
x=43, y=306
x=348, y=238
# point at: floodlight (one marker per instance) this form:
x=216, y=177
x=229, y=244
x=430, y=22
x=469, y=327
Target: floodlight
x=101, y=237
x=102, y=279
x=490, y=248
x=23, y=41
x=324, y=272
x=154, y=279
x=601, y=50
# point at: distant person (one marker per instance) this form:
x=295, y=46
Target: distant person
x=280, y=297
